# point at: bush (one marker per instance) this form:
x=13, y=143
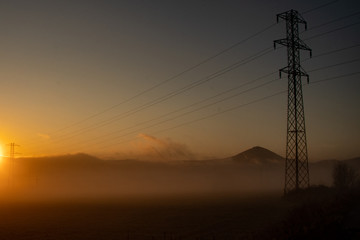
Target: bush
x=344, y=177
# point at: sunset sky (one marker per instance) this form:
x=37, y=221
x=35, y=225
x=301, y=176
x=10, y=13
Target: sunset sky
x=126, y=78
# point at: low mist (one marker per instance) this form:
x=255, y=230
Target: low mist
x=84, y=197
x=83, y=176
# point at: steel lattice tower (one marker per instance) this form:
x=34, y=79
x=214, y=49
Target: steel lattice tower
x=296, y=165
x=11, y=161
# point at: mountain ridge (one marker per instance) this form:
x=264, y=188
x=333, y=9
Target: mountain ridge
x=253, y=156
x=258, y=155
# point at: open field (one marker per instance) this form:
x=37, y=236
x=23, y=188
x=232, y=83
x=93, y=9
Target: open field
x=203, y=217
x=77, y=197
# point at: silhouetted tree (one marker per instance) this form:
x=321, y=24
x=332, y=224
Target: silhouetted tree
x=344, y=177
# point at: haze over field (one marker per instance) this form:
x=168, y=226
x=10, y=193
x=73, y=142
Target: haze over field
x=82, y=176
x=161, y=119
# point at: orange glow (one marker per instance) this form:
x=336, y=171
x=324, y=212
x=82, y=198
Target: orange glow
x=1, y=153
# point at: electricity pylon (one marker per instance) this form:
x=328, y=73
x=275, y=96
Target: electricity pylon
x=12, y=150
x=296, y=165
x=11, y=160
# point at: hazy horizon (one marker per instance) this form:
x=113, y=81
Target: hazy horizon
x=138, y=119
x=81, y=176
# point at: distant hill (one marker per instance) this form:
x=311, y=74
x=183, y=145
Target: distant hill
x=70, y=160
x=79, y=157
x=255, y=156
x=258, y=156
x=80, y=175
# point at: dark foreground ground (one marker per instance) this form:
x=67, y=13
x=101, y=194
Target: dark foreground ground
x=320, y=216
x=227, y=217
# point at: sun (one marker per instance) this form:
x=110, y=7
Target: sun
x=1, y=154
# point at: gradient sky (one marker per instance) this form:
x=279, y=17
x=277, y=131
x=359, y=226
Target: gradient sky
x=78, y=76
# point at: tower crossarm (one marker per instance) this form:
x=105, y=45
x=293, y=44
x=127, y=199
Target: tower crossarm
x=298, y=72
x=299, y=44
x=288, y=15
x=302, y=46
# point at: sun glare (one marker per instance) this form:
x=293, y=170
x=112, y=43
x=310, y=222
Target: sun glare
x=1, y=154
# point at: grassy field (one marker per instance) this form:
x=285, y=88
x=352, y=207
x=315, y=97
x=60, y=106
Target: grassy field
x=202, y=217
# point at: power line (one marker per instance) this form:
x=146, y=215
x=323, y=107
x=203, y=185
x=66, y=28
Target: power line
x=240, y=106
x=334, y=30
x=333, y=51
x=319, y=55
x=203, y=118
x=196, y=109
x=175, y=93
x=235, y=89
x=333, y=21
x=208, y=116
x=336, y=77
x=167, y=96
x=227, y=91
x=189, y=69
x=245, y=91
x=185, y=71
x=208, y=105
x=192, y=85
x=206, y=60
x=193, y=104
x=255, y=101
x=335, y=65
x=319, y=7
